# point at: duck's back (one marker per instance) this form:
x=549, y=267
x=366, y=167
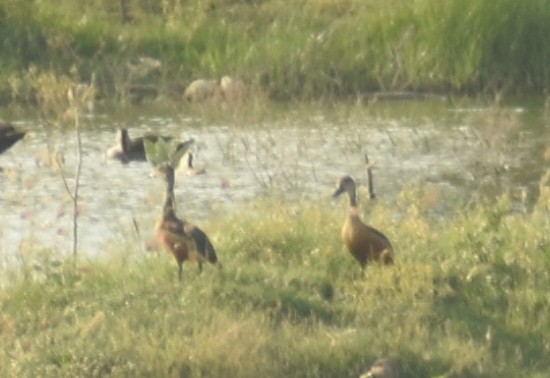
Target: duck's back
x=365, y=242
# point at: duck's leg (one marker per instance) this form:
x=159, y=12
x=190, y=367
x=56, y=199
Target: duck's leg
x=180, y=270
x=200, y=266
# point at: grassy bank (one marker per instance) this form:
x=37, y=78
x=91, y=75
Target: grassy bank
x=467, y=297
x=309, y=49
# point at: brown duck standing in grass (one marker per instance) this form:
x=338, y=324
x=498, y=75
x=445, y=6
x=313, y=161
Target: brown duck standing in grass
x=129, y=149
x=364, y=242
x=185, y=240
x=9, y=135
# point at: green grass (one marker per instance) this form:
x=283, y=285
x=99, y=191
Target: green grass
x=310, y=49
x=467, y=297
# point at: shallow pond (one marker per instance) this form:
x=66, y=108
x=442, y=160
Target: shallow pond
x=460, y=152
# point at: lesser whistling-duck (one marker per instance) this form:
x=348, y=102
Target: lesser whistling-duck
x=9, y=135
x=192, y=170
x=129, y=149
x=185, y=240
x=364, y=242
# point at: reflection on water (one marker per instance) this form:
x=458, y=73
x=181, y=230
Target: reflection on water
x=461, y=153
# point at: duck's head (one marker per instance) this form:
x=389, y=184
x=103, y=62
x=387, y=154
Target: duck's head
x=344, y=184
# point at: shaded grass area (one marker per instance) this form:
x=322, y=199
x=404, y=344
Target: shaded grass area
x=310, y=49
x=467, y=297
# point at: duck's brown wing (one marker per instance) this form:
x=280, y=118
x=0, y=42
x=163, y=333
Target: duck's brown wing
x=173, y=232
x=136, y=150
x=202, y=243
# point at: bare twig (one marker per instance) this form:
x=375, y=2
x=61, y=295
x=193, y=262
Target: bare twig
x=76, y=187
x=263, y=182
x=77, y=96
x=73, y=194
x=136, y=227
x=67, y=188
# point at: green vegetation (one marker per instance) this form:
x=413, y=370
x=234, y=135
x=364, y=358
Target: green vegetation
x=467, y=297
x=307, y=49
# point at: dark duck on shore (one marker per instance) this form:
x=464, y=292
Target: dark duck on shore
x=364, y=242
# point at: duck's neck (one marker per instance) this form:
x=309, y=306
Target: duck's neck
x=124, y=140
x=168, y=208
x=352, y=194
x=353, y=211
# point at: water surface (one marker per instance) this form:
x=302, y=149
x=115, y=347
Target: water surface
x=460, y=152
